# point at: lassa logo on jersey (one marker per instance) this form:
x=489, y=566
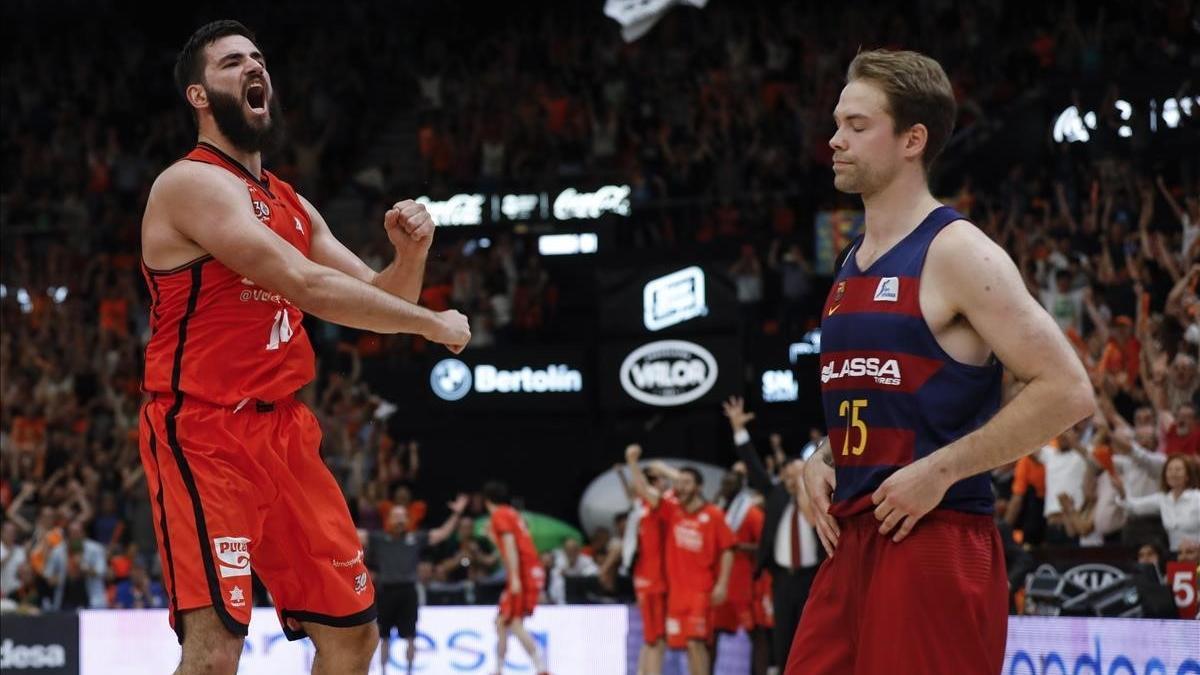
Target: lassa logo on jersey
x=882, y=371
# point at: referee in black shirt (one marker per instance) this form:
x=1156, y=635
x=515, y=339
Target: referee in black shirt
x=392, y=557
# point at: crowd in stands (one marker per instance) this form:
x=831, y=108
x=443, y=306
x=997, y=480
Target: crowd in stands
x=717, y=119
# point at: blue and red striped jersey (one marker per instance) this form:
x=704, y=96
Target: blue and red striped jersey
x=891, y=394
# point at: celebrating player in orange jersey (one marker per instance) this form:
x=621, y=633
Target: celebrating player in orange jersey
x=650, y=571
x=699, y=554
x=233, y=257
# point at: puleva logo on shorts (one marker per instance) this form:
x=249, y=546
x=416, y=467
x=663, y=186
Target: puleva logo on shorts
x=233, y=556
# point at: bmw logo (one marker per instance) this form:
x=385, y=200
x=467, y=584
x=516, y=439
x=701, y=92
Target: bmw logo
x=450, y=379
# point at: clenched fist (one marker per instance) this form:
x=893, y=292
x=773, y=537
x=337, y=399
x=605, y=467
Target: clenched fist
x=450, y=328
x=409, y=226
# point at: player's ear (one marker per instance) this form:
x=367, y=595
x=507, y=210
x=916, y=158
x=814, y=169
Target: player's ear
x=197, y=96
x=915, y=139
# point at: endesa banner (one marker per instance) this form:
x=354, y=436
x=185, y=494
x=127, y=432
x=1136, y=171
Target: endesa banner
x=1096, y=646
x=47, y=643
x=585, y=640
x=546, y=378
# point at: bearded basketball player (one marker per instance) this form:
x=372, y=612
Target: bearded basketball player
x=233, y=258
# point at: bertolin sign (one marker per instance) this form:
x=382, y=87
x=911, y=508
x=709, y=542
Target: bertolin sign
x=452, y=380
x=668, y=373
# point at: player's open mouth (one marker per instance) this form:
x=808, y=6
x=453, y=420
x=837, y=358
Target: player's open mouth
x=256, y=97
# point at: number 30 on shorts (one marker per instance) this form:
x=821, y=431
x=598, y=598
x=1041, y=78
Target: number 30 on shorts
x=849, y=410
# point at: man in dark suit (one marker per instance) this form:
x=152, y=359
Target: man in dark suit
x=789, y=549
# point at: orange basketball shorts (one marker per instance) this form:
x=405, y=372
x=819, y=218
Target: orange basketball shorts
x=246, y=490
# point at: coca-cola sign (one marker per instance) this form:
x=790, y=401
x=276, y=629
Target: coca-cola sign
x=462, y=209
x=572, y=204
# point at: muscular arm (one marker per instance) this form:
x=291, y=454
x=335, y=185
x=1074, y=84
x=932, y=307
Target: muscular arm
x=402, y=278
x=207, y=207
x=983, y=285
x=978, y=282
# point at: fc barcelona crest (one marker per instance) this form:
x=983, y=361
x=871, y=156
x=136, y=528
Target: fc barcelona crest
x=841, y=290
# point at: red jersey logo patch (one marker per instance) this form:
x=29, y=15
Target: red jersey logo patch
x=261, y=210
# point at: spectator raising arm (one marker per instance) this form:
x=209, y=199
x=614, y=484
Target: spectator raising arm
x=443, y=533
x=756, y=473
x=414, y=460
x=86, y=511
x=13, y=512
x=1183, y=292
x=1170, y=200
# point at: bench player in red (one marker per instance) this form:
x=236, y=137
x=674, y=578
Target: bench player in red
x=744, y=609
x=525, y=576
x=233, y=257
x=922, y=313
x=650, y=568
x=699, y=556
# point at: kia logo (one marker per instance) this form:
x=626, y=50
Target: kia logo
x=668, y=373
x=450, y=379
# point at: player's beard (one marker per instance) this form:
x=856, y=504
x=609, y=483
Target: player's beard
x=229, y=113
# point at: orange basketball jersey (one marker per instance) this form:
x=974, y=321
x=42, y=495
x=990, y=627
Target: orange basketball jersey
x=217, y=336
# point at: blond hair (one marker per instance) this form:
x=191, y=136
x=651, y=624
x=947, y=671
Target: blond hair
x=917, y=91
